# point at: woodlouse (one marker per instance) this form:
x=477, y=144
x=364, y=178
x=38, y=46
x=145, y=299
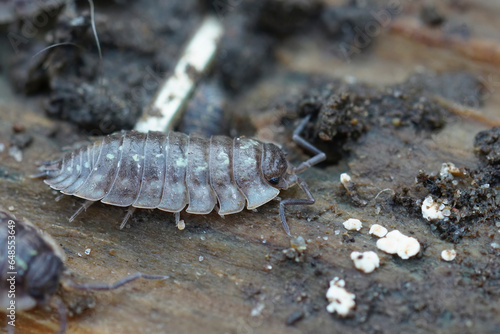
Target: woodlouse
x=32, y=268
x=169, y=171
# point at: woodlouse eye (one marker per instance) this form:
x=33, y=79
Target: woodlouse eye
x=274, y=180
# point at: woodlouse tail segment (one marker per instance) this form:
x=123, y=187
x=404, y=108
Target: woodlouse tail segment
x=295, y=201
x=84, y=207
x=116, y=285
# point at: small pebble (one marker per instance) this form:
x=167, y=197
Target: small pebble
x=87, y=251
x=294, y=318
x=200, y=258
x=11, y=208
x=448, y=254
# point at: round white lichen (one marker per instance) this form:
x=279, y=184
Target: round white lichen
x=448, y=254
x=397, y=243
x=378, y=230
x=353, y=224
x=366, y=261
x=432, y=210
x=341, y=300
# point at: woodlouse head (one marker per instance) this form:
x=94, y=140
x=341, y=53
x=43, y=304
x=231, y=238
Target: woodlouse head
x=274, y=166
x=38, y=266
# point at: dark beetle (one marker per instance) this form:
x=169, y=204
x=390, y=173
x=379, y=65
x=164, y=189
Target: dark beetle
x=169, y=171
x=32, y=268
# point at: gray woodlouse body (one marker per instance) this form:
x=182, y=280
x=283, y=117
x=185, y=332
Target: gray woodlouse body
x=169, y=171
x=32, y=268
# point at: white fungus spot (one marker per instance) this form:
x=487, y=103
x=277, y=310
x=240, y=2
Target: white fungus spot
x=448, y=254
x=110, y=156
x=366, y=261
x=341, y=300
x=78, y=168
x=159, y=155
x=135, y=157
x=431, y=210
x=86, y=164
x=87, y=251
x=353, y=224
x=378, y=230
x=345, y=178
x=397, y=243
x=200, y=258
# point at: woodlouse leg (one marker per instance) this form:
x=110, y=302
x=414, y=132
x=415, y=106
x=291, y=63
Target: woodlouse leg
x=295, y=201
x=63, y=320
x=116, y=285
x=82, y=208
x=59, y=197
x=129, y=214
x=317, y=158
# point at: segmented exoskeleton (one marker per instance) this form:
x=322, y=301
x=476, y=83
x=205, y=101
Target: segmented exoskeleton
x=168, y=171
x=32, y=267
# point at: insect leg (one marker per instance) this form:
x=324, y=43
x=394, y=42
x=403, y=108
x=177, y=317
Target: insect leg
x=317, y=158
x=117, y=284
x=129, y=214
x=295, y=201
x=82, y=208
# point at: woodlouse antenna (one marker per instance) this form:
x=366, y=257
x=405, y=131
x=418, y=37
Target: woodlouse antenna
x=117, y=284
x=55, y=45
x=319, y=155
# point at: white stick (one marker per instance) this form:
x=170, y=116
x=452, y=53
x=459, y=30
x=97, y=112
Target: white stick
x=176, y=90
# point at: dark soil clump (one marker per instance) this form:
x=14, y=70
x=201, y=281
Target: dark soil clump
x=461, y=195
